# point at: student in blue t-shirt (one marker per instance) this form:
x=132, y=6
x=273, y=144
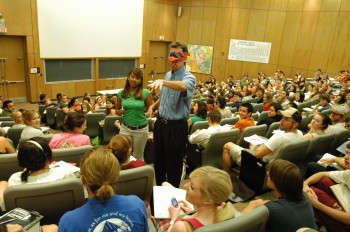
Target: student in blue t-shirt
x=104, y=211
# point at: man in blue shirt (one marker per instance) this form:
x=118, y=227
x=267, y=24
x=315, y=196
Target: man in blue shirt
x=171, y=129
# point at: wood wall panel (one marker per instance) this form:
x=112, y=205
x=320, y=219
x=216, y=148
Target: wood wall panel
x=225, y=3
x=260, y=4
x=345, y=5
x=278, y=5
x=339, y=55
x=295, y=5
x=196, y=25
x=222, y=33
x=323, y=40
x=183, y=25
x=234, y=68
x=257, y=25
x=242, y=4
x=154, y=20
x=209, y=25
x=274, y=32
x=330, y=5
x=305, y=43
x=211, y=3
x=218, y=67
x=85, y=86
x=312, y=5
x=239, y=23
x=289, y=38
x=169, y=23
x=67, y=88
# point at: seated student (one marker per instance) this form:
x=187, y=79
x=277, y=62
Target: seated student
x=7, y=107
x=318, y=125
x=267, y=100
x=291, y=119
x=105, y=210
x=324, y=103
x=110, y=109
x=31, y=119
x=17, y=118
x=208, y=188
x=73, y=128
x=121, y=147
x=327, y=209
x=200, y=110
x=220, y=105
x=73, y=105
x=238, y=99
x=86, y=108
x=272, y=115
x=210, y=103
x=201, y=137
x=5, y=146
x=338, y=116
x=292, y=209
x=35, y=156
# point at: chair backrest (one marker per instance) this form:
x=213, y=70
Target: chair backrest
x=15, y=135
x=303, y=105
x=109, y=129
x=258, y=107
x=8, y=165
x=5, y=119
x=233, y=110
x=59, y=117
x=263, y=115
x=327, y=112
x=304, y=122
x=199, y=125
x=212, y=154
x=51, y=116
x=136, y=181
x=340, y=137
x=253, y=171
x=272, y=127
x=318, y=146
x=294, y=151
x=7, y=123
x=249, y=131
x=255, y=116
x=51, y=199
x=42, y=108
x=255, y=221
x=70, y=155
x=92, y=121
x=229, y=121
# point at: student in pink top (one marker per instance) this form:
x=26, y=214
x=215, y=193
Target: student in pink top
x=73, y=128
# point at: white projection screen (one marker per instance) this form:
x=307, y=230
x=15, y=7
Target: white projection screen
x=90, y=28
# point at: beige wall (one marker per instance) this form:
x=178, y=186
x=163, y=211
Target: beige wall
x=305, y=35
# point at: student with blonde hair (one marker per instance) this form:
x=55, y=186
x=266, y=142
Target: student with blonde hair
x=31, y=119
x=104, y=210
x=208, y=190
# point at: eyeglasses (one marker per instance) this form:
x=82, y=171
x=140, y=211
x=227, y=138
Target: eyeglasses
x=176, y=54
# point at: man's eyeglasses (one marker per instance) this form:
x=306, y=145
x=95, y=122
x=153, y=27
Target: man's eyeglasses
x=176, y=54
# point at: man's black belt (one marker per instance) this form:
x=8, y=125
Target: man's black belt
x=170, y=121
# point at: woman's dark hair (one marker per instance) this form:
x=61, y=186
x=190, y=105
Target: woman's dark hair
x=202, y=109
x=126, y=91
x=302, y=96
x=277, y=107
x=326, y=120
x=107, y=110
x=33, y=155
x=58, y=97
x=72, y=120
x=287, y=179
x=72, y=101
x=221, y=101
x=86, y=99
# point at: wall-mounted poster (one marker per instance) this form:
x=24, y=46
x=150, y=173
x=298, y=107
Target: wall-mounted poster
x=251, y=51
x=201, y=58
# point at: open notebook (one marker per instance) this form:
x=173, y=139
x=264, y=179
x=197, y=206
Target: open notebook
x=342, y=193
x=162, y=199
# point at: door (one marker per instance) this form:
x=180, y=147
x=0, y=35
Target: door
x=12, y=68
x=157, y=60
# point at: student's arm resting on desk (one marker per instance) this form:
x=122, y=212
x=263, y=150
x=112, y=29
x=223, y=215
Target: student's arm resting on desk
x=339, y=160
x=336, y=214
x=314, y=179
